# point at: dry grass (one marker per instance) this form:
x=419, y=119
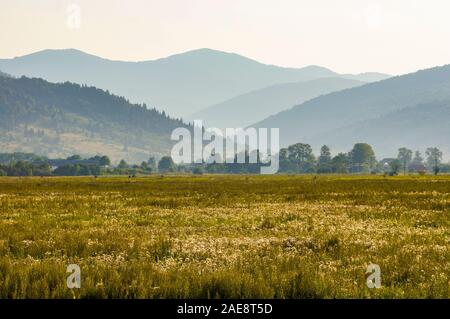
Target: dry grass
x=225, y=236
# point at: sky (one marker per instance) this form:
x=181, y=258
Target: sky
x=347, y=36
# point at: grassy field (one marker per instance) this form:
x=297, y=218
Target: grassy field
x=225, y=236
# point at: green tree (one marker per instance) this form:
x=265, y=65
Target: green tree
x=144, y=166
x=20, y=168
x=166, y=164
x=42, y=169
x=74, y=157
x=301, y=155
x=123, y=164
x=67, y=170
x=325, y=155
x=105, y=161
x=362, y=157
x=340, y=163
x=395, y=166
x=198, y=170
x=417, y=163
x=285, y=163
x=84, y=170
x=324, y=160
x=434, y=158
x=405, y=157
x=152, y=163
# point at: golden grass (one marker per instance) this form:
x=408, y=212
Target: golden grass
x=225, y=236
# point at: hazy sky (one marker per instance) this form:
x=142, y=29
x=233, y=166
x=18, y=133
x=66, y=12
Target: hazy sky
x=393, y=36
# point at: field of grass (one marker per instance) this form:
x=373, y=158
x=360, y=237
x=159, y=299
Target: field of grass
x=225, y=236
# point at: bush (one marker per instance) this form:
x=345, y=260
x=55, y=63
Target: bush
x=166, y=164
x=198, y=170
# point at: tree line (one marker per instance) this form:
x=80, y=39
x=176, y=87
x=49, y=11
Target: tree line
x=295, y=159
x=300, y=159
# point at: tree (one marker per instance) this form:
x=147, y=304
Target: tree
x=84, y=170
x=21, y=168
x=198, y=170
x=152, y=163
x=144, y=165
x=434, y=158
x=417, y=163
x=105, y=161
x=74, y=158
x=300, y=153
x=404, y=156
x=285, y=163
x=67, y=170
x=340, y=163
x=123, y=164
x=395, y=166
x=324, y=160
x=283, y=154
x=301, y=156
x=166, y=164
x=362, y=157
x=325, y=155
x=42, y=169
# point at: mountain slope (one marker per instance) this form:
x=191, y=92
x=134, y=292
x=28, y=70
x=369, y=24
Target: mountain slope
x=323, y=115
x=180, y=84
x=4, y=75
x=63, y=119
x=418, y=127
x=366, y=77
x=246, y=109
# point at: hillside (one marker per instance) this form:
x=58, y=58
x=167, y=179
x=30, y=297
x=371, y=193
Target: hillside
x=63, y=119
x=419, y=127
x=4, y=75
x=365, y=77
x=180, y=84
x=319, y=120
x=246, y=109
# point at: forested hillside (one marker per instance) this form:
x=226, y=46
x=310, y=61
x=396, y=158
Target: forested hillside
x=66, y=118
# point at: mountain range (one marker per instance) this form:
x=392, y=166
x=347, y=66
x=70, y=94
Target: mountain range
x=4, y=75
x=254, y=106
x=411, y=110
x=180, y=84
x=65, y=119
x=311, y=105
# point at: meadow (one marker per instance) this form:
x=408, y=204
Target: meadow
x=214, y=236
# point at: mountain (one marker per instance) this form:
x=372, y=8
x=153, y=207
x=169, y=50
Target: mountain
x=180, y=84
x=418, y=127
x=248, y=108
x=65, y=119
x=366, y=77
x=4, y=75
x=367, y=113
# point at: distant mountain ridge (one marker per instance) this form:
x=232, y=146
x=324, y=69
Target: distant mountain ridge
x=419, y=127
x=248, y=108
x=65, y=119
x=365, y=114
x=366, y=77
x=180, y=84
x=5, y=75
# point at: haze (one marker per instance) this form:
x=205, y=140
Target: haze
x=351, y=36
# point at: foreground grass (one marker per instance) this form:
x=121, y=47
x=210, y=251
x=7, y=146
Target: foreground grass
x=225, y=236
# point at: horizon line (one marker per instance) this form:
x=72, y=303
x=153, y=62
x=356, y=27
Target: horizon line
x=201, y=49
